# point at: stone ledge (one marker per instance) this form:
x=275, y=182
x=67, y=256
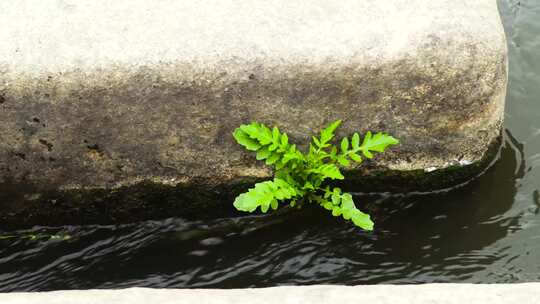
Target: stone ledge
x=101, y=95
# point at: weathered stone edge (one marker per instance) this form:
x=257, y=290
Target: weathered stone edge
x=373, y=179
x=26, y=205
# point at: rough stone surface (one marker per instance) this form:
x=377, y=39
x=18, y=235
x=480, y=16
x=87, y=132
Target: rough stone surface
x=103, y=94
x=381, y=294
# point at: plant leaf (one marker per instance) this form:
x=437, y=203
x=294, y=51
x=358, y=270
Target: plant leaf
x=263, y=153
x=377, y=143
x=274, y=157
x=336, y=211
x=343, y=161
x=327, y=205
x=299, y=176
x=344, y=145
x=284, y=140
x=355, y=142
x=274, y=204
x=355, y=157
x=316, y=141
x=328, y=133
x=363, y=220
x=244, y=139
x=275, y=134
x=264, y=195
x=328, y=171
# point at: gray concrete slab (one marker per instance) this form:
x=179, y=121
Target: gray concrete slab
x=380, y=294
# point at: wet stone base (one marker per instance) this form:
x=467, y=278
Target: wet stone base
x=25, y=205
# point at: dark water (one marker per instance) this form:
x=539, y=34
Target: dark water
x=486, y=231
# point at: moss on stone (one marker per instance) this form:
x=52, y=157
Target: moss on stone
x=25, y=205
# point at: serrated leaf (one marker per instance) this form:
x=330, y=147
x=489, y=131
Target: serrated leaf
x=286, y=189
x=343, y=161
x=252, y=130
x=336, y=211
x=273, y=146
x=265, y=135
x=347, y=201
x=264, y=195
x=336, y=199
x=333, y=152
x=292, y=148
x=316, y=141
x=263, y=153
x=259, y=132
x=327, y=192
x=275, y=134
x=279, y=164
x=274, y=157
x=355, y=142
x=327, y=205
x=367, y=154
x=355, y=157
x=284, y=140
x=344, y=145
x=329, y=171
x=243, y=139
x=378, y=143
x=245, y=203
x=363, y=221
x=311, y=149
x=288, y=156
x=308, y=186
x=328, y=133
x=274, y=204
x=367, y=138
x=347, y=213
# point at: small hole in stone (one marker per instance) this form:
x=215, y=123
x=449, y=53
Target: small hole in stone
x=46, y=144
x=94, y=152
x=93, y=147
x=21, y=155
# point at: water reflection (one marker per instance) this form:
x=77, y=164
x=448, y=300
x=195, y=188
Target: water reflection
x=452, y=231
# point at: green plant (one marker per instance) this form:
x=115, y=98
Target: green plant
x=300, y=178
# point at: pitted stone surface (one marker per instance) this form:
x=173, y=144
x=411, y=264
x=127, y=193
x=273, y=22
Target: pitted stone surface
x=107, y=93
